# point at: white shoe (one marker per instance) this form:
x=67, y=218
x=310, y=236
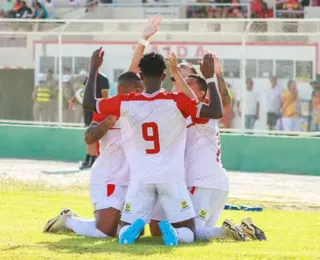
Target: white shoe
x=232, y=232
x=251, y=230
x=58, y=223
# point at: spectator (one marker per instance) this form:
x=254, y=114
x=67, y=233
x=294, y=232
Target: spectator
x=223, y=10
x=39, y=11
x=235, y=10
x=52, y=83
x=315, y=101
x=68, y=96
x=49, y=6
x=252, y=105
x=42, y=100
x=74, y=3
x=291, y=108
x=274, y=103
x=24, y=12
x=7, y=6
x=15, y=9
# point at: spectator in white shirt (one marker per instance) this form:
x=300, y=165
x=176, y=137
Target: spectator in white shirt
x=251, y=105
x=274, y=103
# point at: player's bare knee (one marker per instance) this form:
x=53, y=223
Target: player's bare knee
x=154, y=228
x=107, y=221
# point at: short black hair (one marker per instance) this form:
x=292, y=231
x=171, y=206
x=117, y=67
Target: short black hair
x=128, y=76
x=290, y=81
x=201, y=81
x=152, y=65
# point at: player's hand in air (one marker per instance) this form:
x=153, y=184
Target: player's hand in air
x=97, y=59
x=173, y=63
x=217, y=65
x=207, y=66
x=152, y=27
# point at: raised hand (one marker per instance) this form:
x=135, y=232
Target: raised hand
x=96, y=59
x=173, y=63
x=207, y=66
x=152, y=27
x=217, y=65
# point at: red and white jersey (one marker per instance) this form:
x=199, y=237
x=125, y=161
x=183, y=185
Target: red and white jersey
x=203, y=155
x=111, y=166
x=153, y=133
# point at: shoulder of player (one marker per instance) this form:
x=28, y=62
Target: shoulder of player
x=163, y=95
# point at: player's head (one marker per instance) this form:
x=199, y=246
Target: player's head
x=198, y=85
x=186, y=68
x=129, y=82
x=249, y=83
x=152, y=67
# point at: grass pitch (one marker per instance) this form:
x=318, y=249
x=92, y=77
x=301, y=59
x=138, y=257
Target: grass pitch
x=24, y=210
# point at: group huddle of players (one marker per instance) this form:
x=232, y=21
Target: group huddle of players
x=159, y=161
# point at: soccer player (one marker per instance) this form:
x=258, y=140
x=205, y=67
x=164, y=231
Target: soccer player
x=206, y=178
x=109, y=175
x=153, y=133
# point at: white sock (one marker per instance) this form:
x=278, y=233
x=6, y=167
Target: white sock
x=210, y=233
x=185, y=235
x=123, y=229
x=84, y=227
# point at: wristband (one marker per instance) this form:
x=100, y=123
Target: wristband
x=209, y=80
x=143, y=42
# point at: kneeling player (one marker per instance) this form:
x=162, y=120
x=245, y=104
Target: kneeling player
x=207, y=179
x=109, y=175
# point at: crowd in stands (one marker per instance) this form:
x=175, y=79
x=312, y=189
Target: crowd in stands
x=257, y=9
x=39, y=9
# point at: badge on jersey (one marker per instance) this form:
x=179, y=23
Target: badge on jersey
x=203, y=214
x=127, y=207
x=184, y=205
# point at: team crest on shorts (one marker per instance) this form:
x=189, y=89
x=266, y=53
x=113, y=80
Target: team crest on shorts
x=203, y=214
x=184, y=204
x=127, y=207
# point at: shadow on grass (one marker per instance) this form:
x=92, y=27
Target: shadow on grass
x=144, y=246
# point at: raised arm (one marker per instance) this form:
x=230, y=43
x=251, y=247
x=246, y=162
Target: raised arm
x=214, y=109
x=151, y=28
x=180, y=83
x=89, y=98
x=222, y=86
x=97, y=130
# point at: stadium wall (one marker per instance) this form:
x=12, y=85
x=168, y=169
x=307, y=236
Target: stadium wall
x=250, y=153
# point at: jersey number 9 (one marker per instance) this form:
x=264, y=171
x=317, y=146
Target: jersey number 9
x=150, y=133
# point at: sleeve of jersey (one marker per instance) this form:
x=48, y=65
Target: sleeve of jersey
x=187, y=106
x=109, y=106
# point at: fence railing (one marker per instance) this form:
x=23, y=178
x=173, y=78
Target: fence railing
x=255, y=49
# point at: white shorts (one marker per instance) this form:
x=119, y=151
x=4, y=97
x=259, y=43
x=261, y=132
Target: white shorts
x=105, y=196
x=208, y=205
x=173, y=197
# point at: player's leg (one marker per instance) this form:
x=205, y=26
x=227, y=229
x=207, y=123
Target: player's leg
x=108, y=201
x=177, y=206
x=137, y=211
x=209, y=204
x=157, y=216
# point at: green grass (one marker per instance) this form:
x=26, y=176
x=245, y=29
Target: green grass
x=24, y=209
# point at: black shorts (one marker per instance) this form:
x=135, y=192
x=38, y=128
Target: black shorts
x=272, y=119
x=87, y=117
